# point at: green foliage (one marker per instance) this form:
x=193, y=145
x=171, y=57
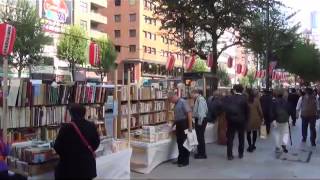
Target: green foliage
x=200, y=66
x=223, y=77
x=73, y=47
x=199, y=24
x=302, y=59
x=30, y=39
x=249, y=80
x=108, y=55
x=279, y=33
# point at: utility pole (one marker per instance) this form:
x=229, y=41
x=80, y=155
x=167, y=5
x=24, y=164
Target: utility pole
x=268, y=47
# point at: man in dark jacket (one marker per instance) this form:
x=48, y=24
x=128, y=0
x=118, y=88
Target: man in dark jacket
x=293, y=99
x=76, y=159
x=237, y=114
x=266, y=104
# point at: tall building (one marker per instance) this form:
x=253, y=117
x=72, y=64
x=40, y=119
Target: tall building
x=142, y=47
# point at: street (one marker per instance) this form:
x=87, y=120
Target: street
x=260, y=164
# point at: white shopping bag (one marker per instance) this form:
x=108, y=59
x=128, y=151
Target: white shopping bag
x=191, y=142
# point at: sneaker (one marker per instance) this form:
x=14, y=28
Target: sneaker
x=250, y=149
x=199, y=156
x=254, y=148
x=230, y=158
x=278, y=150
x=284, y=148
x=240, y=156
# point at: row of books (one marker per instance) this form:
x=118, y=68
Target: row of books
x=151, y=134
x=20, y=117
x=146, y=119
x=23, y=92
x=143, y=107
x=142, y=93
x=159, y=105
x=125, y=109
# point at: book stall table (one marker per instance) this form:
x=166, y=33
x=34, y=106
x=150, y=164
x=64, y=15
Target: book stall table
x=147, y=156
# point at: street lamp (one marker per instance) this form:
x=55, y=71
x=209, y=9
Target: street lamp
x=268, y=48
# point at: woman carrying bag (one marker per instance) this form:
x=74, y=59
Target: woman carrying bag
x=76, y=144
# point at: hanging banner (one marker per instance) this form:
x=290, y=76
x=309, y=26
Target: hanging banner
x=191, y=62
x=230, y=62
x=272, y=65
x=210, y=60
x=258, y=74
x=244, y=70
x=239, y=69
x=170, y=62
x=94, y=54
x=7, y=38
x=263, y=74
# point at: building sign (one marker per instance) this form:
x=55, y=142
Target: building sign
x=56, y=14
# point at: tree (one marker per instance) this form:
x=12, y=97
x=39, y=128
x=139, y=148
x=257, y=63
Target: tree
x=199, y=24
x=30, y=39
x=200, y=66
x=108, y=56
x=302, y=59
x=223, y=77
x=249, y=79
x=73, y=47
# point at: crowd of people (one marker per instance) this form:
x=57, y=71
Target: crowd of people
x=245, y=112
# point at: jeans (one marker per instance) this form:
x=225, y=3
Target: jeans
x=252, y=140
x=232, y=129
x=184, y=154
x=281, y=134
x=200, y=130
x=305, y=123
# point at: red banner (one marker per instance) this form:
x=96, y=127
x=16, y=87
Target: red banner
x=230, y=62
x=7, y=38
x=94, y=54
x=244, y=70
x=170, y=62
x=239, y=69
x=210, y=60
x=191, y=62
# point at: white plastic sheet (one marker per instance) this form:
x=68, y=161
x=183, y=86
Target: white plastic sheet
x=210, y=134
x=147, y=156
x=191, y=142
x=114, y=166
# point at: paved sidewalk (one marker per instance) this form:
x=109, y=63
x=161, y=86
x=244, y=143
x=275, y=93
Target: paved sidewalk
x=258, y=165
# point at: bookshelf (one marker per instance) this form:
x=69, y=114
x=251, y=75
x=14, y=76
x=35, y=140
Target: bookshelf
x=36, y=109
x=149, y=106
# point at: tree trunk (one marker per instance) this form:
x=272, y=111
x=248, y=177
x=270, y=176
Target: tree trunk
x=72, y=71
x=30, y=71
x=214, y=67
x=19, y=73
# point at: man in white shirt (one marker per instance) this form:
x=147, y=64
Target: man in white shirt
x=200, y=111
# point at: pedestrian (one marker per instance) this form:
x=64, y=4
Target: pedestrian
x=183, y=121
x=266, y=103
x=200, y=111
x=4, y=152
x=237, y=114
x=75, y=144
x=280, y=110
x=309, y=111
x=293, y=99
x=255, y=119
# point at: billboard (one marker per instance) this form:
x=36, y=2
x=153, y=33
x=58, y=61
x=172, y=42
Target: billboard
x=55, y=14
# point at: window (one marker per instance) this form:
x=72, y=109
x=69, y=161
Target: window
x=132, y=33
x=118, y=48
x=144, y=48
x=117, y=2
x=149, y=50
x=145, y=4
x=83, y=24
x=145, y=19
x=132, y=17
x=117, y=33
x=155, y=22
x=154, y=51
x=155, y=37
x=83, y=6
x=117, y=18
x=149, y=35
x=132, y=48
x=132, y=2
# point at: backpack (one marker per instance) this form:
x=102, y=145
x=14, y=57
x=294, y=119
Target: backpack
x=281, y=111
x=214, y=109
x=309, y=106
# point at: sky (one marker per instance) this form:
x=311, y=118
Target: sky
x=305, y=7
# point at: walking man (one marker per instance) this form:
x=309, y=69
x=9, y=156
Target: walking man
x=266, y=104
x=309, y=106
x=183, y=121
x=237, y=114
x=293, y=99
x=200, y=111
